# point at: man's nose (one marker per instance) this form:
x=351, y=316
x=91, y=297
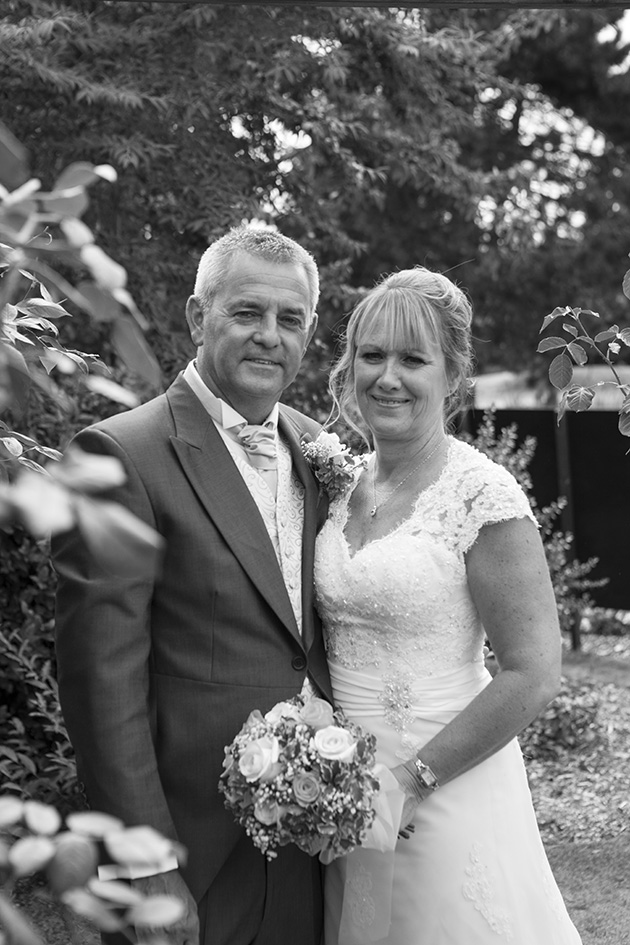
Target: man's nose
x=267, y=333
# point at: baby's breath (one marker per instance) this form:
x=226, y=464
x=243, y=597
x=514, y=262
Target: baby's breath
x=321, y=804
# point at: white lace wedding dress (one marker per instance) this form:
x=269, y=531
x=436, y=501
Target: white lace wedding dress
x=405, y=646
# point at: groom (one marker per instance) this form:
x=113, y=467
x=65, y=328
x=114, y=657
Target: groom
x=157, y=676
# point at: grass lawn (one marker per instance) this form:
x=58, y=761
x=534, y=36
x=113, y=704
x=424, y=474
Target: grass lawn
x=582, y=805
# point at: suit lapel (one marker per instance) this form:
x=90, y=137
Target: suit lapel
x=211, y=472
x=292, y=434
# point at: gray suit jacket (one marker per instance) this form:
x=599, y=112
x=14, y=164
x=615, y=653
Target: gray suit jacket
x=157, y=676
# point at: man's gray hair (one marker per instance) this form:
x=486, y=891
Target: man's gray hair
x=255, y=241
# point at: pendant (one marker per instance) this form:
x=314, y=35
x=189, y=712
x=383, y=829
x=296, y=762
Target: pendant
x=373, y=512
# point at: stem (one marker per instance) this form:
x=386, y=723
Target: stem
x=603, y=356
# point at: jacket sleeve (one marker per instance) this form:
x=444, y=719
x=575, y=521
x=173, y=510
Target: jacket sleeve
x=103, y=645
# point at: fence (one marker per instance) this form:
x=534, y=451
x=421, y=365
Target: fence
x=583, y=459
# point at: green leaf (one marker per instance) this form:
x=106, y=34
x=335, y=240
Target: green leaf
x=17, y=930
x=624, y=336
x=553, y=341
x=122, y=544
x=115, y=392
x=41, y=307
x=134, y=350
x=98, y=302
x=70, y=203
x=577, y=352
x=579, y=398
x=81, y=174
x=19, y=377
x=92, y=823
x=571, y=329
x=562, y=407
x=36, y=322
x=607, y=335
x=105, y=271
x=626, y=284
x=624, y=424
x=90, y=907
x=557, y=313
x=561, y=371
x=74, y=862
x=156, y=911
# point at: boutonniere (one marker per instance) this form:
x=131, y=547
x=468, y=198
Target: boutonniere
x=331, y=461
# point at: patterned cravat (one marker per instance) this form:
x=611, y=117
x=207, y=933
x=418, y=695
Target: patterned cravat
x=260, y=444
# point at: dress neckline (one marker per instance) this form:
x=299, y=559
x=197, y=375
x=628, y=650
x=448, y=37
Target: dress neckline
x=345, y=512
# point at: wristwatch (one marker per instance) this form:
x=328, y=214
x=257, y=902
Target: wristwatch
x=427, y=777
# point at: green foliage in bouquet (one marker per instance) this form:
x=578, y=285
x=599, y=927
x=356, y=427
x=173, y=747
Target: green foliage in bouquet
x=570, y=723
x=569, y=576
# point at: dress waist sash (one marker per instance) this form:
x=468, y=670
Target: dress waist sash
x=364, y=695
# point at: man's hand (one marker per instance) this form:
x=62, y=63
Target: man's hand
x=186, y=931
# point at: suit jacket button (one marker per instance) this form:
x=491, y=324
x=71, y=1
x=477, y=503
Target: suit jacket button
x=298, y=663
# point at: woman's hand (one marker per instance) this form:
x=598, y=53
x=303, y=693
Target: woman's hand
x=414, y=792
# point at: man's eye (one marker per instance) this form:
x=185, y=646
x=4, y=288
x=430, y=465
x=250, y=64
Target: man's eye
x=291, y=321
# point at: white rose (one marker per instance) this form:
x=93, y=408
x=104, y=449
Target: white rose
x=317, y=713
x=334, y=743
x=283, y=710
x=258, y=761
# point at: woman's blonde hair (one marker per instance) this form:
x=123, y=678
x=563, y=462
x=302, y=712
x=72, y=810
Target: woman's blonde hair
x=412, y=307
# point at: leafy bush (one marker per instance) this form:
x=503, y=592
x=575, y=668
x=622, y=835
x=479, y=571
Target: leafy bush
x=570, y=723
x=36, y=759
x=606, y=622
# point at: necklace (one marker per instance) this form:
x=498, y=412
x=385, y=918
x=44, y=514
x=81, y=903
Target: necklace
x=376, y=504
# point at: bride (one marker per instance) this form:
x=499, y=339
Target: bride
x=434, y=548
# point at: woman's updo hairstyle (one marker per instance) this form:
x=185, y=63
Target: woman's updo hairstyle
x=413, y=307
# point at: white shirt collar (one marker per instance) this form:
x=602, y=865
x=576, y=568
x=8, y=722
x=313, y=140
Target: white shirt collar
x=222, y=413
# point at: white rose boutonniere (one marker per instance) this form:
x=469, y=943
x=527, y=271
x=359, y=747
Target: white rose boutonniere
x=332, y=463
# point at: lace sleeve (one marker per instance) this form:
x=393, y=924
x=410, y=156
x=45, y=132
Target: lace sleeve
x=473, y=492
x=491, y=495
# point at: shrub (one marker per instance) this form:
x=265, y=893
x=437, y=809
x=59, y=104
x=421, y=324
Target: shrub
x=608, y=623
x=36, y=759
x=570, y=723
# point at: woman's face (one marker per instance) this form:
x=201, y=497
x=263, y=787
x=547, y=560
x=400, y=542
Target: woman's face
x=400, y=390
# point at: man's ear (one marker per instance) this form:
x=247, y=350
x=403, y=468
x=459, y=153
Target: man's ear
x=311, y=330
x=194, y=318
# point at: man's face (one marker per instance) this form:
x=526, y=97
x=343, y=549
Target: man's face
x=253, y=335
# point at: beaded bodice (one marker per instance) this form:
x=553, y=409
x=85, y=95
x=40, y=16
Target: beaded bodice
x=400, y=607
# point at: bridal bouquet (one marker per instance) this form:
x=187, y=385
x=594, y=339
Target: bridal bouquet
x=301, y=774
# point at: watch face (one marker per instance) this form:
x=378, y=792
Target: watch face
x=427, y=778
